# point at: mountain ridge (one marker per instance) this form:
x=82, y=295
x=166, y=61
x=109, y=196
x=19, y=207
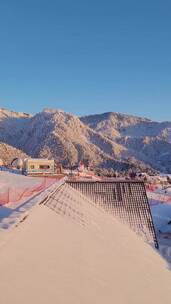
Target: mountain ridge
x=109, y=139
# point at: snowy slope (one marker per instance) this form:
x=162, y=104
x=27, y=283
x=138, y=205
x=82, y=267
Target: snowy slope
x=18, y=194
x=53, y=257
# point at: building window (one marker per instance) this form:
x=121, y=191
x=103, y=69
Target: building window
x=44, y=167
x=32, y=167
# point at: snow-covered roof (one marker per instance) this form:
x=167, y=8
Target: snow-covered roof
x=70, y=251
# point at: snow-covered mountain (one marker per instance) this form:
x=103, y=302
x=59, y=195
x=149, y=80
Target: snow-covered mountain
x=107, y=140
x=146, y=140
x=116, y=125
x=54, y=133
x=8, y=153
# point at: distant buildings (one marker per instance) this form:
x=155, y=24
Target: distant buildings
x=38, y=166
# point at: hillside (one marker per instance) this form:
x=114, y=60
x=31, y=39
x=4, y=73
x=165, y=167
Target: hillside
x=148, y=141
x=62, y=136
x=115, y=125
x=8, y=153
x=107, y=140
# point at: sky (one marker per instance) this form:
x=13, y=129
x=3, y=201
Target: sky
x=86, y=57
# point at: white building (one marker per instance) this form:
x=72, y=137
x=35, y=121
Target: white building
x=39, y=166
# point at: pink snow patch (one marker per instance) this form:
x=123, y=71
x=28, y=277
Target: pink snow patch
x=22, y=187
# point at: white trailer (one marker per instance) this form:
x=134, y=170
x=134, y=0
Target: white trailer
x=38, y=166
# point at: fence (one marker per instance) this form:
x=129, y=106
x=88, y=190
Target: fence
x=15, y=194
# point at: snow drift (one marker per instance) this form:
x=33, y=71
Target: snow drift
x=69, y=251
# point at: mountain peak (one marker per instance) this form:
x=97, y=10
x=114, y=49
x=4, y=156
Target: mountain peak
x=52, y=110
x=9, y=113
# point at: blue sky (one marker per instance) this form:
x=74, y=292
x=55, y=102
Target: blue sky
x=86, y=56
